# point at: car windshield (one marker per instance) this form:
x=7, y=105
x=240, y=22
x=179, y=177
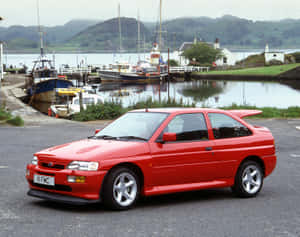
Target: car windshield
x=133, y=125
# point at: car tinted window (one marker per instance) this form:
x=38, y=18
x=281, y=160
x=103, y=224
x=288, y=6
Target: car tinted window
x=226, y=127
x=188, y=127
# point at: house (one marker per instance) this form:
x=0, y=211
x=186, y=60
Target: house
x=273, y=55
x=227, y=59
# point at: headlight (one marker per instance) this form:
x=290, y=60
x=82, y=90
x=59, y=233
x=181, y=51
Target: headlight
x=83, y=165
x=34, y=160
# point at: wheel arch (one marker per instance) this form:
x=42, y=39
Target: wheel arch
x=257, y=159
x=132, y=166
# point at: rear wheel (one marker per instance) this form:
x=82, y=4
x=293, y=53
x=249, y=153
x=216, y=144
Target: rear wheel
x=121, y=189
x=248, y=180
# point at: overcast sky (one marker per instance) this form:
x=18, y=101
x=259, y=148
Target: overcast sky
x=58, y=12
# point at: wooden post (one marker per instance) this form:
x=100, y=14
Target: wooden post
x=80, y=101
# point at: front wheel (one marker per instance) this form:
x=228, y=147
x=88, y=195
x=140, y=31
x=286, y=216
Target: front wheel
x=248, y=180
x=121, y=189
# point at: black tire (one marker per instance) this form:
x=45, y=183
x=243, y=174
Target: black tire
x=252, y=184
x=110, y=193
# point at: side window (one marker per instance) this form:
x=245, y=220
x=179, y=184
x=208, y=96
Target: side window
x=188, y=127
x=226, y=127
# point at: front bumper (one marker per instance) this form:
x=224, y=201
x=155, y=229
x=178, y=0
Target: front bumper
x=64, y=191
x=60, y=198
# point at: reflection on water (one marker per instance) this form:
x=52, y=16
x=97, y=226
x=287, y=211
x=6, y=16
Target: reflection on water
x=207, y=93
x=204, y=93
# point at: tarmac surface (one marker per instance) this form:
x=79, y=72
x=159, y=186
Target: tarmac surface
x=216, y=212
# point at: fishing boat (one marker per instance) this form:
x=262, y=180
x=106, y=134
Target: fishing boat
x=43, y=80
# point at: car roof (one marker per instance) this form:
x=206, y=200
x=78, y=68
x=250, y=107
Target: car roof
x=177, y=110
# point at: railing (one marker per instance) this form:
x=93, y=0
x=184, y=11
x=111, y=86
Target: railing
x=188, y=69
x=71, y=70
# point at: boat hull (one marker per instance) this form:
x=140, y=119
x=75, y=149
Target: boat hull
x=45, y=91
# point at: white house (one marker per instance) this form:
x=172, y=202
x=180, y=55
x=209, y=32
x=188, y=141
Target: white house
x=273, y=55
x=227, y=59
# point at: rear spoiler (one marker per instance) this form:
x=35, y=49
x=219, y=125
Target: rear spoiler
x=244, y=112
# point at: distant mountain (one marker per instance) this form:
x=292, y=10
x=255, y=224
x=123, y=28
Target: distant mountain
x=92, y=35
x=105, y=35
x=14, y=35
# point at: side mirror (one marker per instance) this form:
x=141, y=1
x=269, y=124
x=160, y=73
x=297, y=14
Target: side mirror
x=169, y=137
x=97, y=130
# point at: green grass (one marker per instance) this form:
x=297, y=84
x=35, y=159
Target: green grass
x=114, y=109
x=8, y=118
x=269, y=112
x=268, y=70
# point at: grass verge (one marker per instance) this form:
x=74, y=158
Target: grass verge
x=114, y=109
x=267, y=70
x=8, y=118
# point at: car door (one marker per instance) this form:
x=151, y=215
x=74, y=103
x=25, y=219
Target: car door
x=187, y=160
x=232, y=141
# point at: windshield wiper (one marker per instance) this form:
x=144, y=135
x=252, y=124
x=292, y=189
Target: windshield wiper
x=105, y=137
x=133, y=137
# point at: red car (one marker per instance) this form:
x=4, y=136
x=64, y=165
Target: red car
x=156, y=151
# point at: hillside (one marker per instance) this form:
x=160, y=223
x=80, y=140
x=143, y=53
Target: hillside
x=24, y=37
x=90, y=35
x=105, y=35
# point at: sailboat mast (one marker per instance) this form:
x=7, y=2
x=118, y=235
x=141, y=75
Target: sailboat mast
x=160, y=15
x=40, y=30
x=139, y=35
x=120, y=29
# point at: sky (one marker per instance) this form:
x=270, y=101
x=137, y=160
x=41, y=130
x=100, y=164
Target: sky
x=58, y=12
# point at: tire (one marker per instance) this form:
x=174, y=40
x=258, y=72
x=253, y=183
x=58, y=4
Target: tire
x=248, y=180
x=121, y=189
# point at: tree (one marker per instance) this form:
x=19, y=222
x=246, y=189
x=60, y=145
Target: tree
x=202, y=53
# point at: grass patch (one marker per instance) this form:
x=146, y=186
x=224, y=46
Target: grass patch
x=267, y=70
x=7, y=117
x=269, y=112
x=114, y=109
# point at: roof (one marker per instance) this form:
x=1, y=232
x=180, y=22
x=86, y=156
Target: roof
x=176, y=110
x=186, y=45
x=238, y=113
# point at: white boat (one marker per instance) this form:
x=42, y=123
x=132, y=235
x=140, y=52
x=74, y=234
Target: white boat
x=65, y=110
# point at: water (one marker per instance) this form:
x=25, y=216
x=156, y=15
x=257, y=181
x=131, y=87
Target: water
x=203, y=93
x=207, y=93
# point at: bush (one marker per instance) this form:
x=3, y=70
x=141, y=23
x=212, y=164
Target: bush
x=296, y=55
x=288, y=58
x=274, y=62
x=252, y=61
x=16, y=121
x=173, y=63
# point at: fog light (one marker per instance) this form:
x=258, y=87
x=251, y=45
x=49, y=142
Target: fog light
x=76, y=179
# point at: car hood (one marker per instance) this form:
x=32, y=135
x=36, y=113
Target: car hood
x=95, y=150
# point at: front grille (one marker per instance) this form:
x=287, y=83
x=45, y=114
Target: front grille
x=52, y=166
x=57, y=187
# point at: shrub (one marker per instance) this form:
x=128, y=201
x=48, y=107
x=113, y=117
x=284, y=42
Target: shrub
x=274, y=62
x=296, y=55
x=16, y=121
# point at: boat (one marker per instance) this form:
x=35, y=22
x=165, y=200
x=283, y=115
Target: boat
x=73, y=105
x=43, y=80
x=113, y=71
x=144, y=70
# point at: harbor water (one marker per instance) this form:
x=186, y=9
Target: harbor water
x=204, y=93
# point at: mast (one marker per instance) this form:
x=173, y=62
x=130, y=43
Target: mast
x=139, y=35
x=160, y=7
x=40, y=30
x=120, y=29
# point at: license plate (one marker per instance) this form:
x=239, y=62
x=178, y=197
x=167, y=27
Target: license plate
x=42, y=179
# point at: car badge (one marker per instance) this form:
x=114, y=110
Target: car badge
x=50, y=164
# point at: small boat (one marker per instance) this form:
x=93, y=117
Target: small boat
x=73, y=106
x=113, y=71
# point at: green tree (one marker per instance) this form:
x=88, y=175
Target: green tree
x=202, y=53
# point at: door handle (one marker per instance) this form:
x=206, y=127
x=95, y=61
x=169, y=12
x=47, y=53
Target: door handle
x=208, y=148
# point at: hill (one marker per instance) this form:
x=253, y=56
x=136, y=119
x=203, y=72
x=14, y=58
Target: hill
x=105, y=35
x=24, y=37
